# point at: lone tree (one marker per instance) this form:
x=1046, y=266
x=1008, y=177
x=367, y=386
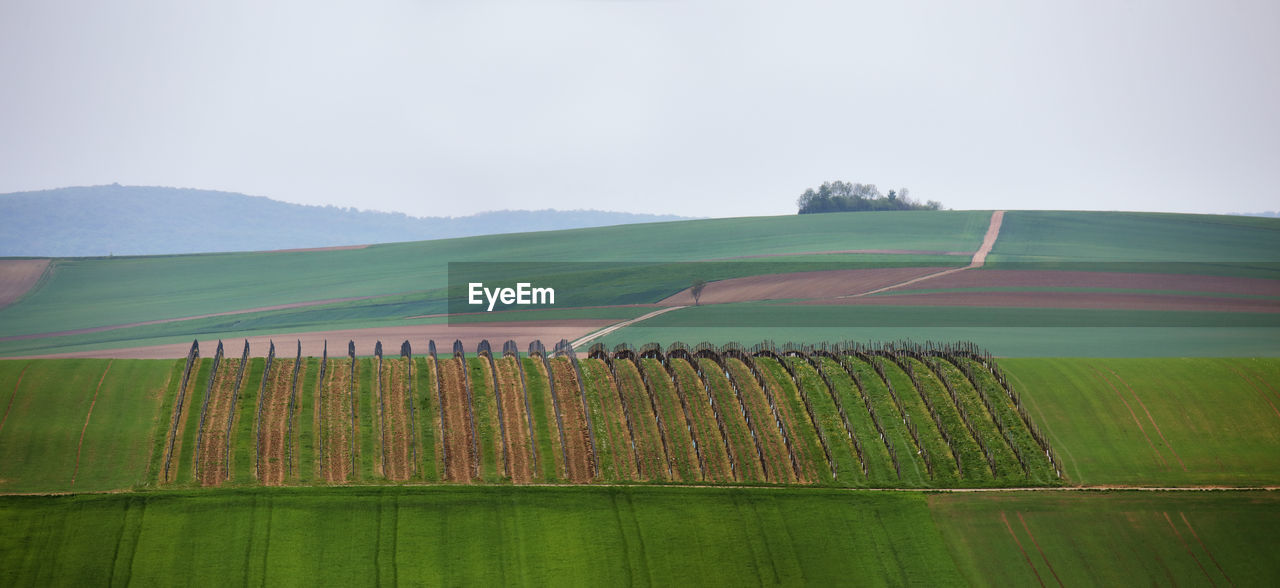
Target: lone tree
x=696, y=290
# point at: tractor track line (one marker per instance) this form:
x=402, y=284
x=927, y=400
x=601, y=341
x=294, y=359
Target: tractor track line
x=611, y=328
x=1187, y=547
x=1024, y=551
x=1150, y=418
x=1254, y=385
x=1131, y=413
x=1037, y=544
x=93, y=402
x=1205, y=547
x=16, y=385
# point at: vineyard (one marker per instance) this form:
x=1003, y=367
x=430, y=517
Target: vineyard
x=842, y=415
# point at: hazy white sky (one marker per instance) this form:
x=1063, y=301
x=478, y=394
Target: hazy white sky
x=693, y=108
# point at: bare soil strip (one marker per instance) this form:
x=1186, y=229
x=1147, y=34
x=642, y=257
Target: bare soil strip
x=1187, y=548
x=458, y=433
x=577, y=442
x=1024, y=551
x=679, y=436
x=649, y=447
x=335, y=465
x=1067, y=299
x=395, y=410
x=1132, y=414
x=1150, y=418
x=213, y=469
x=712, y=444
x=514, y=420
x=275, y=419
x=9, y=406
x=80, y=444
x=17, y=276
x=1205, y=547
x=818, y=284
x=846, y=252
x=778, y=468
x=522, y=332
x=782, y=393
x=1037, y=544
x=1173, y=283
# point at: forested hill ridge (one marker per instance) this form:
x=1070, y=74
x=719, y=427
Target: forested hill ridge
x=140, y=220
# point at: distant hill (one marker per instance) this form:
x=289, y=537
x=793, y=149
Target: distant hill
x=138, y=220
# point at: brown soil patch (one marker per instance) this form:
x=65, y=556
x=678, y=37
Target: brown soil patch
x=396, y=438
x=649, y=449
x=272, y=457
x=1173, y=283
x=335, y=430
x=515, y=420
x=679, y=433
x=784, y=393
x=17, y=276
x=579, y=458
x=778, y=462
x=522, y=332
x=459, y=455
x=713, y=445
x=213, y=468
x=1083, y=300
x=729, y=413
x=848, y=252
x=820, y=284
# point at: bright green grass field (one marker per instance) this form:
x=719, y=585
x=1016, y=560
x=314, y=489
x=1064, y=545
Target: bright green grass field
x=475, y=536
x=90, y=292
x=46, y=414
x=1155, y=422
x=645, y=536
x=1112, y=538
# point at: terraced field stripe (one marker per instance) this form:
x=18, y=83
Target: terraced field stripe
x=781, y=425
x=528, y=412
x=546, y=429
x=805, y=437
x=683, y=459
x=626, y=417
x=772, y=449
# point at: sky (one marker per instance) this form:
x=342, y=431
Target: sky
x=675, y=107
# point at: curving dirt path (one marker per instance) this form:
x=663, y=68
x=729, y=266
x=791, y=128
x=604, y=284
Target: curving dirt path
x=979, y=257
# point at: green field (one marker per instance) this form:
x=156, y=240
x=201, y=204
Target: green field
x=1034, y=235
x=1156, y=422
x=663, y=536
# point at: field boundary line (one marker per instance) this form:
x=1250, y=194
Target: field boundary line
x=16, y=385
x=611, y=328
x=1187, y=547
x=92, y=403
x=1030, y=564
x=1149, y=417
x=1037, y=544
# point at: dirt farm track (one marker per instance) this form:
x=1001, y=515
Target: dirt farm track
x=313, y=343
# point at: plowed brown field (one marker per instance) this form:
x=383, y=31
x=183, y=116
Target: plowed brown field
x=514, y=420
x=272, y=456
x=579, y=459
x=460, y=458
x=397, y=439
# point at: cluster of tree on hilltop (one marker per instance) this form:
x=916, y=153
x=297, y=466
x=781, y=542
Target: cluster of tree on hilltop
x=840, y=196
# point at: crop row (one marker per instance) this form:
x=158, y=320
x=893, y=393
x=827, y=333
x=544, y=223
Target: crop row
x=833, y=415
